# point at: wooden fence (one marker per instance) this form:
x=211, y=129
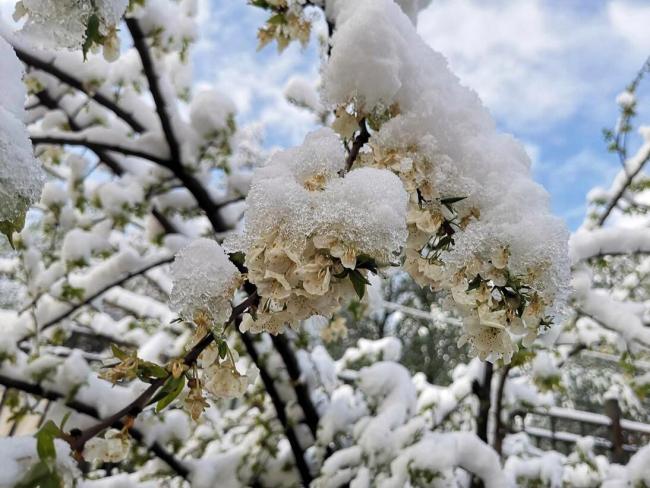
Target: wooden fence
x=559, y=428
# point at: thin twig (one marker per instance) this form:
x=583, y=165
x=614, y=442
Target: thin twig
x=99, y=293
x=49, y=67
x=362, y=137
x=37, y=390
x=133, y=409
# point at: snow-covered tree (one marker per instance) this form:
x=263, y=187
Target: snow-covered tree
x=172, y=292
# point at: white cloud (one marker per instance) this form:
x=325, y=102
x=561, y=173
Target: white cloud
x=255, y=81
x=536, y=63
x=631, y=21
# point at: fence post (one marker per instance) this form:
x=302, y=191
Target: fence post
x=553, y=442
x=613, y=411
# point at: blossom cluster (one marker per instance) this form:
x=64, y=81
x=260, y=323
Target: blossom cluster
x=74, y=24
x=311, y=236
x=204, y=282
x=21, y=176
x=287, y=23
x=488, y=241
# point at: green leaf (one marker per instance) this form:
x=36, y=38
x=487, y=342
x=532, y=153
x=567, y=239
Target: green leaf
x=359, y=283
x=223, y=349
x=65, y=420
x=40, y=476
x=71, y=293
x=260, y=4
x=237, y=258
x=45, y=441
x=366, y=262
x=148, y=370
x=173, y=388
x=8, y=227
x=277, y=19
x=119, y=353
x=93, y=36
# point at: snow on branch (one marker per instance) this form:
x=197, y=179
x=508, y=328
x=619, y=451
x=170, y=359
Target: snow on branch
x=586, y=244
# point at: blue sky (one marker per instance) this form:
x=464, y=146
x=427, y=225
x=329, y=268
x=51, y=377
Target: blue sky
x=549, y=72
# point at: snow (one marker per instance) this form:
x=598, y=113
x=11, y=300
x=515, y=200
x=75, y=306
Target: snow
x=365, y=210
x=547, y=468
x=172, y=22
x=204, y=280
x=53, y=195
x=21, y=177
x=385, y=349
x=461, y=449
x=544, y=365
x=441, y=141
x=625, y=99
x=625, y=318
x=64, y=22
x=301, y=92
x=210, y=112
x=18, y=454
x=637, y=468
x=384, y=416
x=586, y=244
x=120, y=195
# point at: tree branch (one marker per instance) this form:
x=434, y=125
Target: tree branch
x=482, y=391
x=133, y=409
x=46, y=100
x=499, y=431
x=613, y=202
x=362, y=137
x=199, y=192
x=290, y=434
x=49, y=67
x=100, y=146
x=302, y=391
x=99, y=293
x=140, y=44
x=37, y=390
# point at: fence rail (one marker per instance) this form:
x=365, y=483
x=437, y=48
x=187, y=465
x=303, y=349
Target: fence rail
x=556, y=427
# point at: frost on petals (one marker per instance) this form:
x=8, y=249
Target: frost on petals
x=204, y=281
x=308, y=229
x=112, y=448
x=486, y=239
x=21, y=176
x=73, y=24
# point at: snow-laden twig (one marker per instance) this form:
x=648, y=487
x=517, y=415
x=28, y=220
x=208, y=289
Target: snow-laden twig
x=609, y=241
x=81, y=407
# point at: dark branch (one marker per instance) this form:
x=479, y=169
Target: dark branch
x=177, y=466
x=140, y=44
x=99, y=293
x=498, y=407
x=290, y=434
x=613, y=202
x=482, y=391
x=100, y=146
x=302, y=391
x=50, y=68
x=362, y=137
x=199, y=192
x=133, y=409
